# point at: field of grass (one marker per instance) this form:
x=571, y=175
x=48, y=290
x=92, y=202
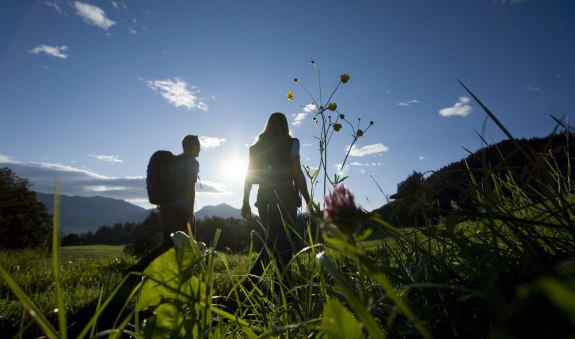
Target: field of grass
x=86, y=274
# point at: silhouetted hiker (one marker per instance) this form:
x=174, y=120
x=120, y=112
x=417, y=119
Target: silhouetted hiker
x=171, y=184
x=274, y=165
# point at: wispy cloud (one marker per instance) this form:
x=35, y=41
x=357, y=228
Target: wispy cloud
x=176, y=92
x=55, y=51
x=408, y=102
x=4, y=159
x=535, y=88
x=56, y=6
x=509, y=2
x=366, y=164
x=460, y=108
x=107, y=158
x=298, y=118
x=93, y=15
x=81, y=182
x=211, y=142
x=366, y=150
x=119, y=5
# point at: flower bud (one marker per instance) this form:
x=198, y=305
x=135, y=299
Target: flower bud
x=344, y=78
x=337, y=127
x=359, y=133
x=341, y=210
x=332, y=106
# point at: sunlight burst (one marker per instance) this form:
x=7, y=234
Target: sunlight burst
x=234, y=170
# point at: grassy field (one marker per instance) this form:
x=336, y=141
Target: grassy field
x=86, y=274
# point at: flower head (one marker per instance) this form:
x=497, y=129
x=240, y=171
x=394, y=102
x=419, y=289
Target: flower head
x=290, y=95
x=359, y=133
x=337, y=127
x=341, y=210
x=344, y=78
x=332, y=106
x=341, y=116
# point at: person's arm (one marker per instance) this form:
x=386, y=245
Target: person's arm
x=299, y=177
x=190, y=199
x=191, y=194
x=246, y=209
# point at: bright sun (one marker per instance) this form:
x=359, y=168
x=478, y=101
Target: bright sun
x=234, y=170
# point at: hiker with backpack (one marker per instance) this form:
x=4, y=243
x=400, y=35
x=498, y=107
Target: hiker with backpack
x=171, y=184
x=274, y=165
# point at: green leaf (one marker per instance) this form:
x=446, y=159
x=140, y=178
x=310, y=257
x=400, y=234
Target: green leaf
x=338, y=322
x=561, y=294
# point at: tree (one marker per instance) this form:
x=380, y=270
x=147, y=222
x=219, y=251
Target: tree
x=24, y=222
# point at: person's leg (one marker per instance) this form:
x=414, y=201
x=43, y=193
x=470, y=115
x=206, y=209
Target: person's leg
x=282, y=217
x=262, y=259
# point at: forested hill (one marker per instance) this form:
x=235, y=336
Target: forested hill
x=527, y=160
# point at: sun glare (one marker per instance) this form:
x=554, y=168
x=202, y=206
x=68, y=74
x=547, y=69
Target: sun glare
x=234, y=170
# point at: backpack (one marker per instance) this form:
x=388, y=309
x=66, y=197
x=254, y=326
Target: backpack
x=161, y=178
x=270, y=163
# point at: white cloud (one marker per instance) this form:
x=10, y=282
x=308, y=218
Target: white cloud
x=510, y=2
x=298, y=118
x=309, y=108
x=421, y=157
x=408, y=102
x=107, y=158
x=212, y=188
x=366, y=164
x=4, y=159
x=93, y=15
x=104, y=188
x=460, y=108
x=176, y=92
x=119, y=5
x=536, y=88
x=366, y=150
x=56, y=6
x=55, y=51
x=81, y=182
x=211, y=142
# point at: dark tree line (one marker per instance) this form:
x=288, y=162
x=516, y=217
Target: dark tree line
x=142, y=237
x=24, y=222
x=118, y=234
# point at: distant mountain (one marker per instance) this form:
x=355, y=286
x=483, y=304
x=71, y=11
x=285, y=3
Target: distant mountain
x=221, y=210
x=85, y=214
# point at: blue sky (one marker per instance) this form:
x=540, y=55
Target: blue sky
x=90, y=89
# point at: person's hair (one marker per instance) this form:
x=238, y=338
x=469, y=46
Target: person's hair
x=190, y=143
x=276, y=128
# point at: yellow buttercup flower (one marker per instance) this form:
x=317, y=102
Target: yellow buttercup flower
x=290, y=95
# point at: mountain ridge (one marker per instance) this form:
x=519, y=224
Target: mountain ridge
x=86, y=214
